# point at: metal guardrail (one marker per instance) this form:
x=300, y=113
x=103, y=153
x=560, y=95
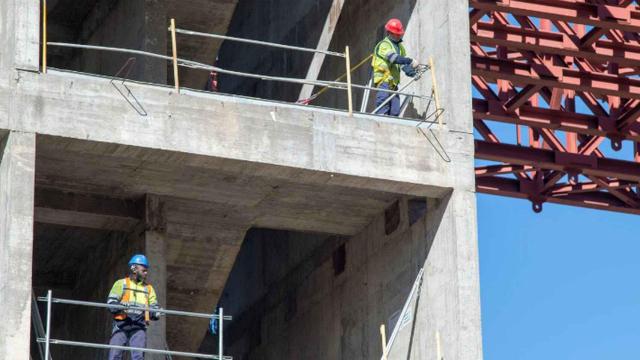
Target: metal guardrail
x=258, y=42
x=197, y=65
x=38, y=327
x=48, y=341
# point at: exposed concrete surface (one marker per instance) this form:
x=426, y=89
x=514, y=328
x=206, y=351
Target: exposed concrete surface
x=297, y=23
x=17, y=171
x=386, y=155
x=289, y=301
x=223, y=164
x=139, y=24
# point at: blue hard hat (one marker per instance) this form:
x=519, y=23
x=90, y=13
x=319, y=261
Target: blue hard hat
x=139, y=259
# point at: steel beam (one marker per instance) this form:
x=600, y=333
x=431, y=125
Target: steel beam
x=525, y=74
x=548, y=42
x=556, y=160
x=573, y=11
x=539, y=117
x=594, y=200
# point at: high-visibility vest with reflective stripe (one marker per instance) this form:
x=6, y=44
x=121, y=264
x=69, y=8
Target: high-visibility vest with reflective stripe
x=131, y=294
x=383, y=69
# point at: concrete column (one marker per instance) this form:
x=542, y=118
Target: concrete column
x=449, y=301
x=20, y=34
x=17, y=169
x=155, y=244
x=154, y=40
x=138, y=24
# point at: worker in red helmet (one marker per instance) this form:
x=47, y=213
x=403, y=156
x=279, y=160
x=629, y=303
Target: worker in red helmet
x=389, y=58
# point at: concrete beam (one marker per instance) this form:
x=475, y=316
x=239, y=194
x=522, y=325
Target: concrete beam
x=17, y=171
x=85, y=210
x=362, y=151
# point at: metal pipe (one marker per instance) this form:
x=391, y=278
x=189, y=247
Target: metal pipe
x=123, y=307
x=396, y=328
x=127, y=348
x=258, y=42
x=329, y=84
x=197, y=65
x=365, y=97
x=220, y=340
x=47, y=335
x=391, y=97
x=108, y=48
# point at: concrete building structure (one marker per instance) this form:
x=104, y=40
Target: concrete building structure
x=307, y=224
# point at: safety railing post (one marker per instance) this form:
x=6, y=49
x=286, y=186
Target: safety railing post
x=438, y=346
x=383, y=336
x=349, y=94
x=44, y=36
x=365, y=96
x=220, y=340
x=434, y=87
x=174, y=51
x=47, y=336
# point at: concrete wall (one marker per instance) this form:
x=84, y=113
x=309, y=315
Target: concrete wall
x=286, y=22
x=366, y=19
x=313, y=146
x=104, y=265
x=359, y=26
x=296, y=303
x=288, y=301
x=132, y=24
x=270, y=266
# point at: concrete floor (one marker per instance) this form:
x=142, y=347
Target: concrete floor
x=106, y=169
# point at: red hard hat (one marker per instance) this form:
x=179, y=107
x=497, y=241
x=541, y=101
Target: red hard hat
x=395, y=27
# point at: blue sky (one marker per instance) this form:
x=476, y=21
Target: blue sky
x=562, y=284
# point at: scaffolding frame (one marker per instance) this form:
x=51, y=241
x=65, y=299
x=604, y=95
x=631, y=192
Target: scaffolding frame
x=48, y=341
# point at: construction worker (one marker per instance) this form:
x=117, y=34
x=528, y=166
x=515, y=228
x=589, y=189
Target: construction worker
x=130, y=325
x=389, y=57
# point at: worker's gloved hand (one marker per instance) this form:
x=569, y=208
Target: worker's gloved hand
x=414, y=63
x=115, y=310
x=409, y=70
x=155, y=315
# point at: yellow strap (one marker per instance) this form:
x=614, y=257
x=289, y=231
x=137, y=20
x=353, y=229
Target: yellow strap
x=147, y=317
x=126, y=294
x=325, y=88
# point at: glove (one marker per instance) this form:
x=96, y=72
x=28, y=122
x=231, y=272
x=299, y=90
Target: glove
x=213, y=326
x=155, y=316
x=115, y=310
x=414, y=63
x=409, y=70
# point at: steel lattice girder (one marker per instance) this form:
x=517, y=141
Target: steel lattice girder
x=557, y=51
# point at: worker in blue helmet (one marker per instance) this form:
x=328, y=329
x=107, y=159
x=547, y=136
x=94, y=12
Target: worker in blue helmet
x=130, y=325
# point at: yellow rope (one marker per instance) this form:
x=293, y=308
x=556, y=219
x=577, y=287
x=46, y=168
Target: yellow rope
x=325, y=88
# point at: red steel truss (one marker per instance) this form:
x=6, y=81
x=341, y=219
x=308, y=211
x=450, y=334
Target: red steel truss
x=565, y=76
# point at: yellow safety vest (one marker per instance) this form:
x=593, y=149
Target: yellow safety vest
x=383, y=69
x=135, y=294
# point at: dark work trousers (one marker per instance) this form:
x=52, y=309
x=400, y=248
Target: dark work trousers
x=133, y=338
x=392, y=107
